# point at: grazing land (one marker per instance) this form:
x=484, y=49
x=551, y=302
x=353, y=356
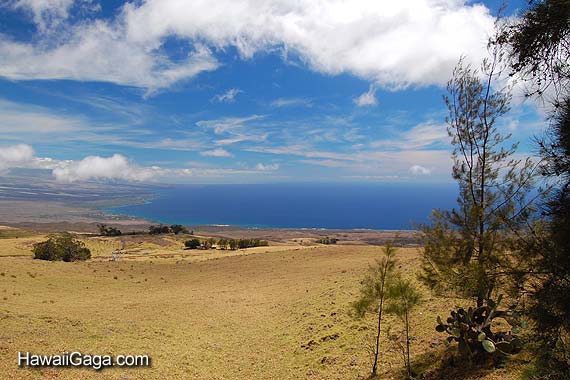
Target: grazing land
x=277, y=312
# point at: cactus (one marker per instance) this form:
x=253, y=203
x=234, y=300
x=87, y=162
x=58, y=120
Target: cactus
x=471, y=328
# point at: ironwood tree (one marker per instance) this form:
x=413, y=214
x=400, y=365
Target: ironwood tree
x=468, y=250
x=540, y=55
x=373, y=294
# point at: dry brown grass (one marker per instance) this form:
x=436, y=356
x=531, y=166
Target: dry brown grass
x=278, y=312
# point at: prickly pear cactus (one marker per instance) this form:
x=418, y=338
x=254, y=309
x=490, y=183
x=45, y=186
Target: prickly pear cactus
x=471, y=328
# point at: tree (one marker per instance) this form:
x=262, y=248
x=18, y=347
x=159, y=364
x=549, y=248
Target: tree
x=177, y=229
x=105, y=230
x=373, y=294
x=403, y=297
x=158, y=230
x=62, y=247
x=468, y=250
x=540, y=55
x=192, y=244
x=540, y=49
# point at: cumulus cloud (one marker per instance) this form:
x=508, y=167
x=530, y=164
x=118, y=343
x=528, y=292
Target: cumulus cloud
x=419, y=170
x=228, y=96
x=100, y=52
x=116, y=167
x=219, y=152
x=368, y=98
x=381, y=41
x=15, y=156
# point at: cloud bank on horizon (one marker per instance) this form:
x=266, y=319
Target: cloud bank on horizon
x=252, y=90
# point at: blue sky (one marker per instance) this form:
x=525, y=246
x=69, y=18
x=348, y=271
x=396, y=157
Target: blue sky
x=238, y=91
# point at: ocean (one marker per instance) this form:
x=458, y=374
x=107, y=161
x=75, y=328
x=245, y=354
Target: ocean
x=330, y=206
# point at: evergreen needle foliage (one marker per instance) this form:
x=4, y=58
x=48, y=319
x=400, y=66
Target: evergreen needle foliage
x=403, y=297
x=468, y=250
x=540, y=55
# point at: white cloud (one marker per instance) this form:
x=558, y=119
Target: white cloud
x=420, y=136
x=393, y=44
x=46, y=13
x=228, y=124
x=291, y=102
x=368, y=98
x=98, y=52
x=116, y=167
x=419, y=170
x=228, y=96
x=266, y=167
x=15, y=156
x=219, y=152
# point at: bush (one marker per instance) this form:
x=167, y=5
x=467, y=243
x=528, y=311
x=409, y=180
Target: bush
x=327, y=240
x=192, y=244
x=61, y=248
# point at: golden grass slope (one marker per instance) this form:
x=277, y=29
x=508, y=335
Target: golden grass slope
x=277, y=312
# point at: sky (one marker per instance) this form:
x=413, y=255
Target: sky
x=248, y=91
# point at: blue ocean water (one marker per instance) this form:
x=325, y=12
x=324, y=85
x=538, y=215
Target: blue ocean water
x=334, y=206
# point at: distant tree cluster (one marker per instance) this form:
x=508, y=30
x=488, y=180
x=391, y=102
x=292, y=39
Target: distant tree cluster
x=192, y=244
x=241, y=243
x=178, y=229
x=61, y=247
x=327, y=240
x=105, y=230
x=162, y=229
x=224, y=244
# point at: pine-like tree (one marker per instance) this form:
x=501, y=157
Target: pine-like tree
x=468, y=250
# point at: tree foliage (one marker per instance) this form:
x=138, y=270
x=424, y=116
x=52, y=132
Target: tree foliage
x=105, y=230
x=403, y=298
x=540, y=54
x=159, y=229
x=540, y=48
x=62, y=247
x=373, y=294
x=192, y=244
x=178, y=229
x=468, y=249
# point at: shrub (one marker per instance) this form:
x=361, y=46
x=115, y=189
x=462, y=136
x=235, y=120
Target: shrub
x=327, y=240
x=61, y=248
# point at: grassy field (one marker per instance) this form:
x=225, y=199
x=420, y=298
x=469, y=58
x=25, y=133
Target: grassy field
x=277, y=312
